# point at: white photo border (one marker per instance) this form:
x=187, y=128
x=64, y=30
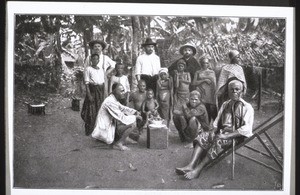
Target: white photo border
x=85, y=8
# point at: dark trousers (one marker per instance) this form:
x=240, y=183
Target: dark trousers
x=150, y=81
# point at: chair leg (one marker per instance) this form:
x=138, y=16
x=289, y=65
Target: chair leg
x=233, y=159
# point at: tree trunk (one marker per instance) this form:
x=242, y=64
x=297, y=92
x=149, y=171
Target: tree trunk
x=57, y=63
x=148, y=26
x=87, y=37
x=136, y=40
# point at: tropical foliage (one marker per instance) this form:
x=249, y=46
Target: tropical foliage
x=41, y=41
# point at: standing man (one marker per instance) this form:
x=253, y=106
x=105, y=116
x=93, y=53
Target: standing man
x=148, y=65
x=105, y=64
x=115, y=121
x=192, y=65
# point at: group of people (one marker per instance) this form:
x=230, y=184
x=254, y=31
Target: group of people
x=207, y=114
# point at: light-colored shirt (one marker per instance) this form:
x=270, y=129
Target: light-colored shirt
x=147, y=64
x=109, y=113
x=122, y=79
x=93, y=76
x=247, y=115
x=104, y=63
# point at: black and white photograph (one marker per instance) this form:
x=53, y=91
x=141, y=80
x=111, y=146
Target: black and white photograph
x=149, y=98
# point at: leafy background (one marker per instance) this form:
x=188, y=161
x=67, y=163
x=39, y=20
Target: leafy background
x=50, y=49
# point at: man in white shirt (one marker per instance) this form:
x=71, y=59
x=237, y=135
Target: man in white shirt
x=234, y=121
x=105, y=64
x=148, y=65
x=115, y=121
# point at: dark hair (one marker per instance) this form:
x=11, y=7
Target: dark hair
x=201, y=60
x=93, y=55
x=141, y=80
x=114, y=86
x=119, y=64
x=149, y=89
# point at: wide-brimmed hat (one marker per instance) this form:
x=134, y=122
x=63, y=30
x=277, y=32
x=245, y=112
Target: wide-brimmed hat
x=148, y=42
x=233, y=53
x=93, y=42
x=187, y=45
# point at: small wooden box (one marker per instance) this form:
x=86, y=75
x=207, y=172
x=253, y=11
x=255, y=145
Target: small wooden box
x=157, y=137
x=75, y=104
x=36, y=109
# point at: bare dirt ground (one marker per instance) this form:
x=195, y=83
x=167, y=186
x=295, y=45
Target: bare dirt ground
x=52, y=152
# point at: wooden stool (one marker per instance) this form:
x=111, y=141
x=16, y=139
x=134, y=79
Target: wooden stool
x=38, y=109
x=157, y=137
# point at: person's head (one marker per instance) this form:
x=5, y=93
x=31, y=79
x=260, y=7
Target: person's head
x=195, y=98
x=181, y=65
x=150, y=94
x=120, y=68
x=142, y=85
x=163, y=73
x=187, y=50
x=234, y=57
x=204, y=63
x=118, y=91
x=94, y=59
x=149, y=46
x=97, y=46
x=235, y=89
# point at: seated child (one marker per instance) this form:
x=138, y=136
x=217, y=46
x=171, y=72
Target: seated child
x=149, y=107
x=120, y=78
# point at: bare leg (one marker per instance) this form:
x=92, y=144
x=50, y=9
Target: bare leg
x=120, y=143
x=189, y=145
x=196, y=172
x=195, y=157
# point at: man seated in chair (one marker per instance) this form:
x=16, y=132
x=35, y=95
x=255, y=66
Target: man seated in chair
x=211, y=143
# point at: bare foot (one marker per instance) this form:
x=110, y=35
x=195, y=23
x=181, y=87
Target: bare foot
x=130, y=141
x=121, y=147
x=183, y=170
x=192, y=174
x=190, y=146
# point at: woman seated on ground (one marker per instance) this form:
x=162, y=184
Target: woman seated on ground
x=192, y=119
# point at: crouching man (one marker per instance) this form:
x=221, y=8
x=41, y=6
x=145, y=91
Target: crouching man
x=234, y=121
x=115, y=121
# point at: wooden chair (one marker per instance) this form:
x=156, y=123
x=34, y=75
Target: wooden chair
x=257, y=132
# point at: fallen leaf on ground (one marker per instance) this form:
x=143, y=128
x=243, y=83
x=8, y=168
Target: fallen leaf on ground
x=217, y=186
x=92, y=186
x=120, y=170
x=132, y=167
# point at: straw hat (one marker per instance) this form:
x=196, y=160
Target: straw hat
x=185, y=46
